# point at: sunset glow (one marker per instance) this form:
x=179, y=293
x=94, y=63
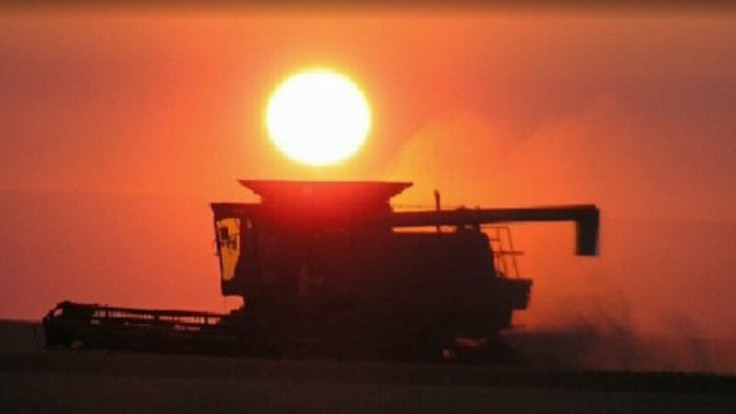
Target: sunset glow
x=318, y=117
x=121, y=126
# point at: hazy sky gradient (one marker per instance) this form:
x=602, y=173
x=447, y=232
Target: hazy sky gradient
x=632, y=111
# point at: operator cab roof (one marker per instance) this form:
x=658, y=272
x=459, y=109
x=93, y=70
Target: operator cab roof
x=325, y=192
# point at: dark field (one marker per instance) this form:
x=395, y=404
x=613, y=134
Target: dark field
x=33, y=379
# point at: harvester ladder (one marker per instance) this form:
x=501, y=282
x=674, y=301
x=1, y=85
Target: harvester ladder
x=504, y=255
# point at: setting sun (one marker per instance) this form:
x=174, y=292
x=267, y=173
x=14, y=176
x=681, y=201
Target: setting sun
x=318, y=117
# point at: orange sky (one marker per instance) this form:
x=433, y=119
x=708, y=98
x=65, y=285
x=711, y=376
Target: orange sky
x=119, y=126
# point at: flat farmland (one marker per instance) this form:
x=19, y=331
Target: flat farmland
x=37, y=380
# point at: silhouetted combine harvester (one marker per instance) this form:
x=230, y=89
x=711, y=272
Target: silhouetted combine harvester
x=330, y=270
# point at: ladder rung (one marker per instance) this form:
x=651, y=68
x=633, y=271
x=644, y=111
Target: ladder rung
x=509, y=252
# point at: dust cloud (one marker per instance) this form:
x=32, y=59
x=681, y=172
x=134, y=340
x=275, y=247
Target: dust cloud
x=656, y=297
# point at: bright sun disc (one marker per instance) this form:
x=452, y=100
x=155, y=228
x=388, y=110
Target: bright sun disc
x=318, y=117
